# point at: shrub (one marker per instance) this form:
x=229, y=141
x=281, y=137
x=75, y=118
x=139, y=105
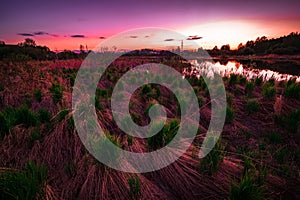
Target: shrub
x=247, y=189
x=268, y=90
x=56, y=92
x=134, y=183
x=230, y=114
x=249, y=88
x=210, y=163
x=252, y=106
x=38, y=95
x=27, y=184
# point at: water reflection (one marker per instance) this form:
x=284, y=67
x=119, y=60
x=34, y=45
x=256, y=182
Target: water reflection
x=233, y=67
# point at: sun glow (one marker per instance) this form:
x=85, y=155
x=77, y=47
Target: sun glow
x=226, y=32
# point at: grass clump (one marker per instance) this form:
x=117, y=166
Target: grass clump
x=35, y=135
x=146, y=89
x=290, y=122
x=268, y=90
x=274, y=138
x=38, y=95
x=27, y=184
x=4, y=128
x=210, y=163
x=252, y=106
x=25, y=116
x=258, y=81
x=292, y=90
x=164, y=136
x=134, y=183
x=247, y=189
x=249, y=88
x=233, y=79
x=230, y=114
x=44, y=116
x=56, y=92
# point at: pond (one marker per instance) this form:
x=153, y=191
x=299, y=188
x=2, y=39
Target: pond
x=279, y=70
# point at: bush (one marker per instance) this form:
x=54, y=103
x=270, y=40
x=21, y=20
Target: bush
x=252, y=106
x=27, y=184
x=268, y=90
x=56, y=92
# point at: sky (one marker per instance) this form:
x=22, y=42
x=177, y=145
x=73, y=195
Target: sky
x=66, y=24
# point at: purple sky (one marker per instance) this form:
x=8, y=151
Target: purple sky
x=66, y=24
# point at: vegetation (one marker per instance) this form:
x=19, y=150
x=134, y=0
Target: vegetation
x=134, y=183
x=268, y=90
x=247, y=189
x=210, y=163
x=230, y=114
x=57, y=92
x=252, y=106
x=27, y=184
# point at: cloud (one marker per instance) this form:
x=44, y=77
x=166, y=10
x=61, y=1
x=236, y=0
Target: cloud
x=77, y=36
x=40, y=33
x=169, y=40
x=25, y=34
x=101, y=37
x=147, y=36
x=54, y=35
x=133, y=36
x=194, y=37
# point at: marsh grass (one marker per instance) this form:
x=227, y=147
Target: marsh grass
x=26, y=184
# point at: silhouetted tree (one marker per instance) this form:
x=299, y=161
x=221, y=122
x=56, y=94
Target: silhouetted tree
x=2, y=42
x=225, y=47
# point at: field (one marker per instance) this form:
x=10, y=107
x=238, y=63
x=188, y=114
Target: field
x=41, y=155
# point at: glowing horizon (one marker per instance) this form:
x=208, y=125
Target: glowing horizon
x=61, y=25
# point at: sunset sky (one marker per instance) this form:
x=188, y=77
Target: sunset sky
x=67, y=24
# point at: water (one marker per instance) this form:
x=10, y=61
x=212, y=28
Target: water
x=280, y=71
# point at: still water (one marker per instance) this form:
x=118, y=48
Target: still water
x=280, y=71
